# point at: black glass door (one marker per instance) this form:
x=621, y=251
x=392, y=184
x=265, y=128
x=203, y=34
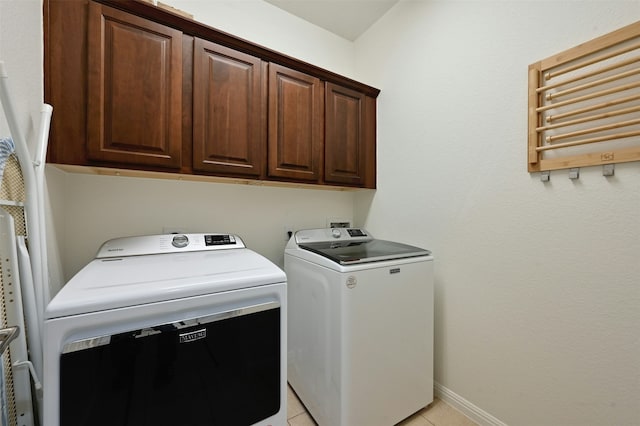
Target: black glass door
x=225, y=372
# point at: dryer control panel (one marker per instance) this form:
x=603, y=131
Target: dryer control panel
x=168, y=243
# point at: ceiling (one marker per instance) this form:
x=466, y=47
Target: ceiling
x=346, y=18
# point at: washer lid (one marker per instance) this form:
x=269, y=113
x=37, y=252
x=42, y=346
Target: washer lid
x=117, y=282
x=355, y=252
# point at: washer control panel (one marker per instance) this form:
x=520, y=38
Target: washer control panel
x=168, y=243
x=332, y=234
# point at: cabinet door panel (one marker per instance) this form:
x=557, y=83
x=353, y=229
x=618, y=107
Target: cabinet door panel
x=134, y=91
x=228, y=134
x=349, y=140
x=296, y=119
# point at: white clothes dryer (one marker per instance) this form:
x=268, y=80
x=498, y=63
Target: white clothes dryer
x=360, y=326
x=168, y=330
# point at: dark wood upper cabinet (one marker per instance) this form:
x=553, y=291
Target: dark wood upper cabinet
x=346, y=144
x=229, y=136
x=134, y=86
x=296, y=124
x=134, y=89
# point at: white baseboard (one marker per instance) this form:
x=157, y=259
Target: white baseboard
x=470, y=410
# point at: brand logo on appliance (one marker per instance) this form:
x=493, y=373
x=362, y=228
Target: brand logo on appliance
x=394, y=270
x=192, y=336
x=351, y=281
x=115, y=249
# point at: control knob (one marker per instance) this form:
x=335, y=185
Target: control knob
x=180, y=241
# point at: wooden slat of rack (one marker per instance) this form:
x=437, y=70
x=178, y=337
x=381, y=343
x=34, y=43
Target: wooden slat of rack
x=595, y=117
x=589, y=74
x=591, y=84
x=596, y=129
x=622, y=135
x=594, y=95
x=591, y=159
x=550, y=75
x=534, y=117
x=596, y=45
x=595, y=107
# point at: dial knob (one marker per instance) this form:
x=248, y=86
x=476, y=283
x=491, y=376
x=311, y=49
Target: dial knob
x=180, y=241
x=335, y=233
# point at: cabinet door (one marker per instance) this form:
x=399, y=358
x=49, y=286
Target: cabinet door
x=296, y=118
x=228, y=132
x=349, y=139
x=134, y=90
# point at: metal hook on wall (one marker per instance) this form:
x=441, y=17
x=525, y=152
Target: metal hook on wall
x=574, y=173
x=608, y=170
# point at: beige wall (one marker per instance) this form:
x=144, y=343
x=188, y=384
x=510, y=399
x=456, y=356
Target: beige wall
x=537, y=285
x=21, y=51
x=97, y=208
x=268, y=26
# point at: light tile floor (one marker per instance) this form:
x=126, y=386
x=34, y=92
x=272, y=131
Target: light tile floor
x=438, y=413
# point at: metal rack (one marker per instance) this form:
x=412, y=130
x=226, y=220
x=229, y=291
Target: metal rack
x=23, y=273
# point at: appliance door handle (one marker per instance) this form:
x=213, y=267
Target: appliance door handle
x=7, y=335
x=227, y=314
x=96, y=341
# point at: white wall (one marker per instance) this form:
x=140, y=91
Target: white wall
x=21, y=51
x=98, y=208
x=268, y=26
x=537, y=285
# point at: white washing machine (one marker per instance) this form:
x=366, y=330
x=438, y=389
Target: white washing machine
x=360, y=326
x=168, y=330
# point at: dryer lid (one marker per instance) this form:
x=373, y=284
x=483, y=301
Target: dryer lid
x=111, y=283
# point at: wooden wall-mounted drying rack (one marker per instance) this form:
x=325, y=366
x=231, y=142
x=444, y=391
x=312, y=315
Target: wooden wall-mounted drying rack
x=584, y=104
